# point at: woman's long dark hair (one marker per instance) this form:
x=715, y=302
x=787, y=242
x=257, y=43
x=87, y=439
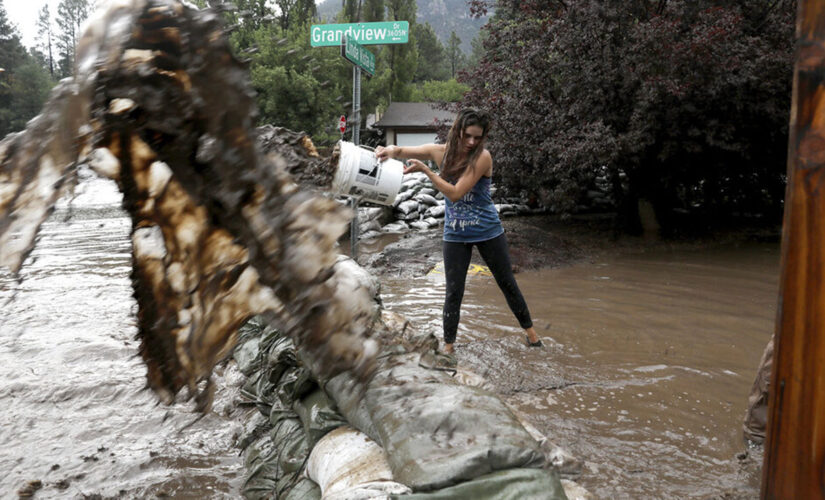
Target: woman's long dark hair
x=451, y=168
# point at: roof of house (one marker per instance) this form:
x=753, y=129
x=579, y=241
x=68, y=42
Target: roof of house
x=413, y=115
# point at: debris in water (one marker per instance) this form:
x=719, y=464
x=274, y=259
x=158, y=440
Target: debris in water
x=220, y=231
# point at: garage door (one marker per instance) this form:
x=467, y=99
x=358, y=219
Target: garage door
x=414, y=138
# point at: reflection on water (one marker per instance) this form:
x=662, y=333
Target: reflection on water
x=648, y=363
x=75, y=415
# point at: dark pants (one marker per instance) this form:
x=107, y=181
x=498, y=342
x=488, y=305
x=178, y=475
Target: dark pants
x=457, y=261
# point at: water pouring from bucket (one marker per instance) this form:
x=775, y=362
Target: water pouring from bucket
x=361, y=175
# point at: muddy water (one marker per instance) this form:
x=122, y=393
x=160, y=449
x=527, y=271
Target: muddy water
x=648, y=362
x=647, y=365
x=74, y=413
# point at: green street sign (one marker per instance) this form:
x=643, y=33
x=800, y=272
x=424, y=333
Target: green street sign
x=331, y=35
x=358, y=55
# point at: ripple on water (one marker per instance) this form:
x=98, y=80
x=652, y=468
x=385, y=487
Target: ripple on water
x=76, y=414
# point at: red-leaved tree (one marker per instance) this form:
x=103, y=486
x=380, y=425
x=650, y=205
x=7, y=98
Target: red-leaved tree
x=683, y=103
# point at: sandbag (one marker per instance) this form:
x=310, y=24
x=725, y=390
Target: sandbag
x=262, y=471
x=318, y=415
x=246, y=355
x=347, y=394
x=348, y=465
x=437, y=432
x=303, y=489
x=513, y=484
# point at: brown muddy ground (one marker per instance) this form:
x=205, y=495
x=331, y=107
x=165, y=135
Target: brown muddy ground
x=542, y=241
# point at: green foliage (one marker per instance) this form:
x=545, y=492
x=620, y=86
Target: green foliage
x=439, y=91
x=24, y=85
x=403, y=58
x=455, y=57
x=431, y=56
x=683, y=103
x=70, y=16
x=45, y=38
x=373, y=11
x=299, y=87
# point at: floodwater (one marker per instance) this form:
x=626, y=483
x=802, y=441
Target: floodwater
x=648, y=361
x=647, y=364
x=75, y=415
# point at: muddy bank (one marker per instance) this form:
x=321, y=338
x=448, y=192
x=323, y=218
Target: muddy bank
x=543, y=241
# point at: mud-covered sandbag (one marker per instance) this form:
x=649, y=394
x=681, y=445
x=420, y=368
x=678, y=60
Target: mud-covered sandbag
x=266, y=386
x=294, y=384
x=513, y=484
x=348, y=465
x=318, y=415
x=303, y=489
x=408, y=207
x=289, y=438
x=274, y=464
x=566, y=464
x=435, y=211
x=575, y=491
x=262, y=470
x=347, y=393
x=247, y=356
x=437, y=432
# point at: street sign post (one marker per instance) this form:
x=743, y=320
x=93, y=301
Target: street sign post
x=353, y=52
x=350, y=37
x=330, y=35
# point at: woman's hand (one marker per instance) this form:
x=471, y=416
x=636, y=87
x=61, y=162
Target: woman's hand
x=385, y=153
x=415, y=166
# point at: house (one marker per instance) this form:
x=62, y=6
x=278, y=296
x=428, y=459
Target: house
x=412, y=123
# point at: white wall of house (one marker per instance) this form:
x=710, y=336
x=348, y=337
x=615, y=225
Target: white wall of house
x=402, y=138
x=414, y=138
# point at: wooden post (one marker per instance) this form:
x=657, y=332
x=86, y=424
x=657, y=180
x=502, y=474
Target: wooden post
x=795, y=444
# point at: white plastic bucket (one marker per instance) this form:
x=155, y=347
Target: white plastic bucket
x=362, y=176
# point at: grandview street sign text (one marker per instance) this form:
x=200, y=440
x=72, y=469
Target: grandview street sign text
x=329, y=35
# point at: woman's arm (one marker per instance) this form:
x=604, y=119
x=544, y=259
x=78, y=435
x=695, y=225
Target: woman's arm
x=425, y=152
x=466, y=182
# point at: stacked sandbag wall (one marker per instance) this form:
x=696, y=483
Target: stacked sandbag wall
x=413, y=430
x=418, y=207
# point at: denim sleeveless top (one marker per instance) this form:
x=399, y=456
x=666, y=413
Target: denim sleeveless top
x=473, y=218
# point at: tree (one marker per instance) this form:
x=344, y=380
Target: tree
x=299, y=87
x=682, y=103
x=70, y=16
x=352, y=10
x=373, y=11
x=455, y=56
x=477, y=45
x=294, y=11
x=403, y=58
x=44, y=37
x=439, y=91
x=24, y=86
x=431, y=59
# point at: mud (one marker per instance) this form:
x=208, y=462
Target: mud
x=651, y=347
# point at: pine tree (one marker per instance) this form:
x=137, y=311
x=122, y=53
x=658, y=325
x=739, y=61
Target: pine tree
x=24, y=86
x=403, y=57
x=44, y=37
x=70, y=15
x=373, y=11
x=431, y=61
x=454, y=54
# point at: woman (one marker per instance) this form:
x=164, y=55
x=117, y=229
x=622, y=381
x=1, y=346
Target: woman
x=470, y=218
